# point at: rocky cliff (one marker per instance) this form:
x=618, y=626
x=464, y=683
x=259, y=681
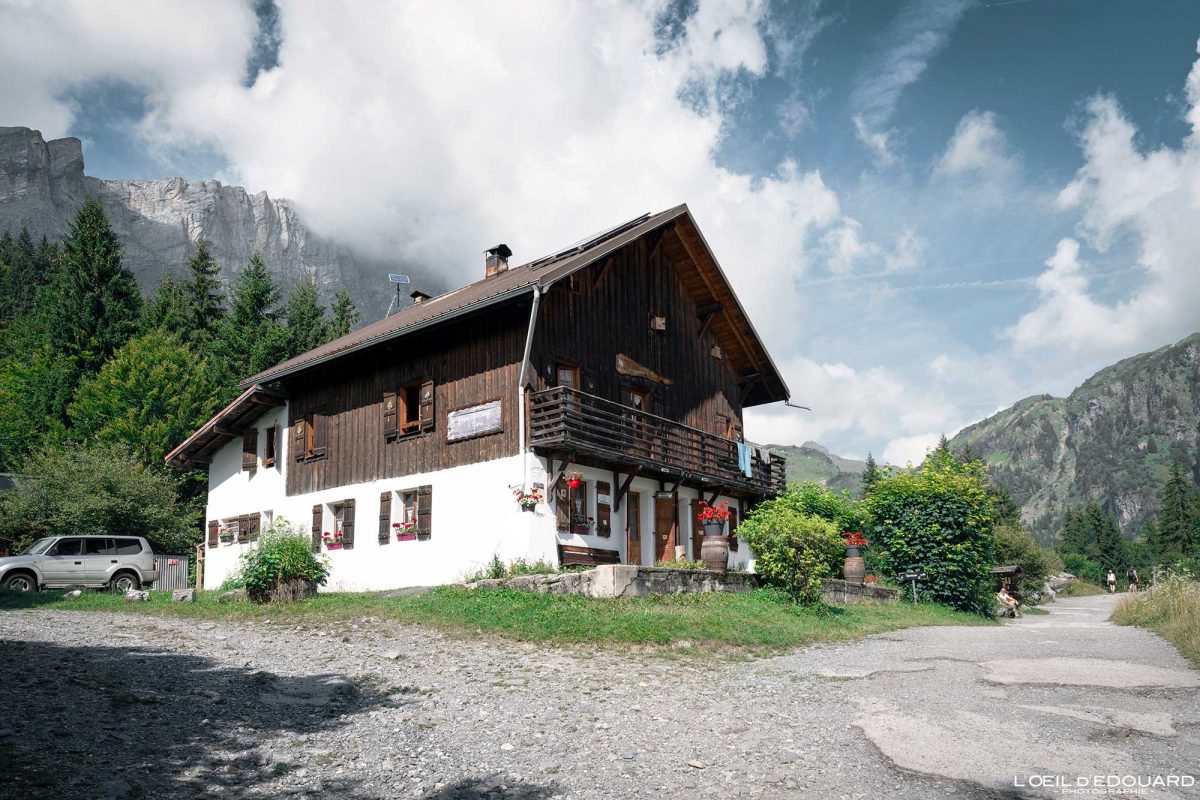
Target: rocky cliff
x=1111, y=440
x=42, y=184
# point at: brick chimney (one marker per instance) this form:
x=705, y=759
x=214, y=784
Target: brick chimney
x=497, y=259
x=418, y=297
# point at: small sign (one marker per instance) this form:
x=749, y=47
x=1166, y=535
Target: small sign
x=473, y=421
x=913, y=575
x=604, y=499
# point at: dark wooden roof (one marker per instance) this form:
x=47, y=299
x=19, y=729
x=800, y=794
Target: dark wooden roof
x=226, y=426
x=1007, y=569
x=686, y=247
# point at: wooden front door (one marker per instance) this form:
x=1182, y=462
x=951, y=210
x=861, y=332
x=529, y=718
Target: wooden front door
x=633, y=528
x=666, y=527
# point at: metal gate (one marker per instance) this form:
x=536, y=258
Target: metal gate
x=172, y=572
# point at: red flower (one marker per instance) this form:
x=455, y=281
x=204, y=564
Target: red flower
x=855, y=539
x=713, y=513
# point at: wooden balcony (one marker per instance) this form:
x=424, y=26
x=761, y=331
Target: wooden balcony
x=570, y=423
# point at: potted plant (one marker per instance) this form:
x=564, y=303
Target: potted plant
x=333, y=541
x=225, y=533
x=854, y=569
x=528, y=501
x=405, y=531
x=574, y=479
x=714, y=548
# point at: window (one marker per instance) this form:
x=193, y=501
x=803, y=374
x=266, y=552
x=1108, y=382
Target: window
x=67, y=547
x=342, y=533
x=250, y=448
x=638, y=399
x=399, y=515
x=268, y=459
x=408, y=410
x=408, y=507
x=128, y=547
x=97, y=546
x=310, y=434
x=567, y=375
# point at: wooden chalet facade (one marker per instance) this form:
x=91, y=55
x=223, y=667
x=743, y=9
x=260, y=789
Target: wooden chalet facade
x=625, y=361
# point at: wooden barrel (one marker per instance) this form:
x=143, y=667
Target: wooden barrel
x=855, y=569
x=714, y=551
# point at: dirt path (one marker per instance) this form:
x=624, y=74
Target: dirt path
x=112, y=706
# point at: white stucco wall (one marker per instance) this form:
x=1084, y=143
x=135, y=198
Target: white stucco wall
x=474, y=516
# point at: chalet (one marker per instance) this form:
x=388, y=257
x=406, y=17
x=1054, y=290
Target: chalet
x=607, y=381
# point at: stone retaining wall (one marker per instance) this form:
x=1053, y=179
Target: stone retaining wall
x=624, y=580
x=840, y=591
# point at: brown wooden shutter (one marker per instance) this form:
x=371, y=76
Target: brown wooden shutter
x=318, y=516
x=733, y=524
x=603, y=510
x=252, y=530
x=214, y=528
x=348, y=524
x=562, y=505
x=250, y=449
x=299, y=437
x=697, y=530
x=320, y=439
x=385, y=517
x=243, y=527
x=391, y=414
x=424, y=512
x=428, y=392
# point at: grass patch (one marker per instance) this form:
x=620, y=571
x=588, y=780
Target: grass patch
x=1081, y=588
x=763, y=620
x=1171, y=609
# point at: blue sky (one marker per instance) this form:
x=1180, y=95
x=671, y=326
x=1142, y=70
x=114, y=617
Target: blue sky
x=930, y=207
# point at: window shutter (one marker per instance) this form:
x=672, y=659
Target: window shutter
x=603, y=509
x=298, y=440
x=243, y=528
x=657, y=407
x=348, y=524
x=424, y=512
x=562, y=505
x=391, y=414
x=252, y=529
x=427, y=405
x=213, y=530
x=733, y=524
x=318, y=515
x=697, y=530
x=250, y=448
x=385, y=517
x=320, y=424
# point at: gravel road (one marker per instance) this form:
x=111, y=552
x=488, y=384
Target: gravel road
x=126, y=706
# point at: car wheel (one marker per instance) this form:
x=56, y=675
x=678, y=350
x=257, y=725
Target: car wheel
x=125, y=582
x=21, y=582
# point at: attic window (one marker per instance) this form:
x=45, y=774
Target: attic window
x=409, y=409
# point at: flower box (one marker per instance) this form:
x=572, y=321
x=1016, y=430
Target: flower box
x=226, y=538
x=333, y=546
x=406, y=537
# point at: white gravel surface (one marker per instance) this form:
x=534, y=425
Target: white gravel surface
x=126, y=706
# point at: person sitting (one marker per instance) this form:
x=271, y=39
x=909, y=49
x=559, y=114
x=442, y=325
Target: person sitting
x=1008, y=603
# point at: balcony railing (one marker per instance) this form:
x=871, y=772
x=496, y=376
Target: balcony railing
x=569, y=421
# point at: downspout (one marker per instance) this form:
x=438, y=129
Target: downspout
x=521, y=435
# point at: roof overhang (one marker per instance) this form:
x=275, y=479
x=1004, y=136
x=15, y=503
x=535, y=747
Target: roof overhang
x=227, y=425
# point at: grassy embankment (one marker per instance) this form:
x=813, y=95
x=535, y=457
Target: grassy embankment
x=762, y=620
x=1081, y=588
x=1171, y=609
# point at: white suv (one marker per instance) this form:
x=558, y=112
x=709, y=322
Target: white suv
x=116, y=562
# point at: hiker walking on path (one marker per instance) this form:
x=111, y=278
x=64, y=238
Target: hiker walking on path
x=1132, y=577
x=1112, y=582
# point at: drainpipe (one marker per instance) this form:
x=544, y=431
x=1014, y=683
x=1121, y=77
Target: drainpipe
x=537, y=296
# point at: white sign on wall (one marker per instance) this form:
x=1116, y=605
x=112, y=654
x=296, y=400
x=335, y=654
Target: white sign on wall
x=474, y=421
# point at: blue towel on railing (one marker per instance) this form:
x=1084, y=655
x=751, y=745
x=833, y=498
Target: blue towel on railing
x=744, y=459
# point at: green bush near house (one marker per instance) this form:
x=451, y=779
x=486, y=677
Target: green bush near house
x=1015, y=545
x=1083, y=568
x=283, y=558
x=793, y=550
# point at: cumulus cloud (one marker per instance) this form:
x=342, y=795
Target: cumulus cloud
x=1152, y=198
x=977, y=148
x=908, y=253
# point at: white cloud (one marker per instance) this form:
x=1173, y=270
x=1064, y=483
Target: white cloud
x=846, y=247
x=1152, y=198
x=908, y=253
x=978, y=147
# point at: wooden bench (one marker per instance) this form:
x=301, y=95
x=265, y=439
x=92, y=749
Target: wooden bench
x=576, y=556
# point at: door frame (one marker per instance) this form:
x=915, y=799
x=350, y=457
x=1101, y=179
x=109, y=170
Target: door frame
x=633, y=521
x=669, y=540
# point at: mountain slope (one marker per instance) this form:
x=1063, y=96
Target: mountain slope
x=1110, y=440
x=812, y=462
x=42, y=185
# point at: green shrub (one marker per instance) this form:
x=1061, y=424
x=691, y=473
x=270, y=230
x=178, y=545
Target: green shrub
x=1171, y=607
x=681, y=563
x=792, y=550
x=938, y=519
x=1084, y=568
x=283, y=556
x=814, y=500
x=498, y=570
x=1015, y=545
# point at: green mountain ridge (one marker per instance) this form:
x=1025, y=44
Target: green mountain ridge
x=1111, y=440
x=813, y=462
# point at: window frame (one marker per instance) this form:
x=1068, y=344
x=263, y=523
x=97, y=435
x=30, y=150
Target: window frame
x=270, y=443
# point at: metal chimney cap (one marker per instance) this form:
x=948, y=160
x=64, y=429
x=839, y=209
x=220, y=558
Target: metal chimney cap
x=501, y=250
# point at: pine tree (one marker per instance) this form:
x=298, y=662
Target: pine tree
x=1074, y=538
x=306, y=323
x=1110, y=548
x=204, y=296
x=871, y=473
x=95, y=306
x=1005, y=510
x=967, y=455
x=251, y=337
x=168, y=308
x=344, y=314
x=1177, y=516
